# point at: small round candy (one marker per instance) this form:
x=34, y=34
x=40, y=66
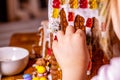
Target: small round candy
x=27, y=77
x=41, y=69
x=35, y=78
x=43, y=78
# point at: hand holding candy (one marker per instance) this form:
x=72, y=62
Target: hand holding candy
x=71, y=45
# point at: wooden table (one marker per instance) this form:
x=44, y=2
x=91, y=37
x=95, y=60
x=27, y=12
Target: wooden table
x=24, y=40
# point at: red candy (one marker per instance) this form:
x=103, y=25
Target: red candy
x=56, y=4
x=55, y=38
x=83, y=3
x=89, y=22
x=49, y=51
x=70, y=16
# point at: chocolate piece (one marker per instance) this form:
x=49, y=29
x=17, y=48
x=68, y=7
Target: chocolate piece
x=79, y=22
x=37, y=51
x=63, y=20
x=41, y=62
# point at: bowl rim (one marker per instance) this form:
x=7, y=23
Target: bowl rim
x=27, y=55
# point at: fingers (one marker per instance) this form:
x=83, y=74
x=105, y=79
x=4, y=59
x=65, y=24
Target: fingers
x=80, y=36
x=60, y=35
x=69, y=30
x=80, y=32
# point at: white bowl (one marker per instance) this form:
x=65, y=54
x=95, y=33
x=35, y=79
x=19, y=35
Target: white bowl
x=13, y=60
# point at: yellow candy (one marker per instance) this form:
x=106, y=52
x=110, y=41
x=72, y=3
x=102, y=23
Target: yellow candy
x=55, y=13
x=41, y=69
x=63, y=2
x=93, y=4
x=48, y=63
x=43, y=78
x=35, y=78
x=74, y=4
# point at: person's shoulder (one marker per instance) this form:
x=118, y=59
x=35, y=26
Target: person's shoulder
x=115, y=60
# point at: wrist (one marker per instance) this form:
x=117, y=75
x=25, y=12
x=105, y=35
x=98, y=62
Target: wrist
x=78, y=73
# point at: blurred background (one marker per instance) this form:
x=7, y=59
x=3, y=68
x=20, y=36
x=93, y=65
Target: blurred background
x=18, y=16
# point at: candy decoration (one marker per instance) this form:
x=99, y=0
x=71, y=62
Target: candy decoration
x=70, y=16
x=27, y=77
x=55, y=38
x=93, y=4
x=54, y=68
x=73, y=4
x=63, y=20
x=41, y=69
x=89, y=22
x=63, y=2
x=55, y=13
x=56, y=4
x=79, y=23
x=49, y=51
x=35, y=78
x=43, y=78
x=83, y=3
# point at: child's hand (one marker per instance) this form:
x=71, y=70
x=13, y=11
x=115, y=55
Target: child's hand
x=71, y=52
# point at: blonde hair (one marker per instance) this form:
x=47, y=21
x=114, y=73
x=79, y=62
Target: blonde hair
x=110, y=44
